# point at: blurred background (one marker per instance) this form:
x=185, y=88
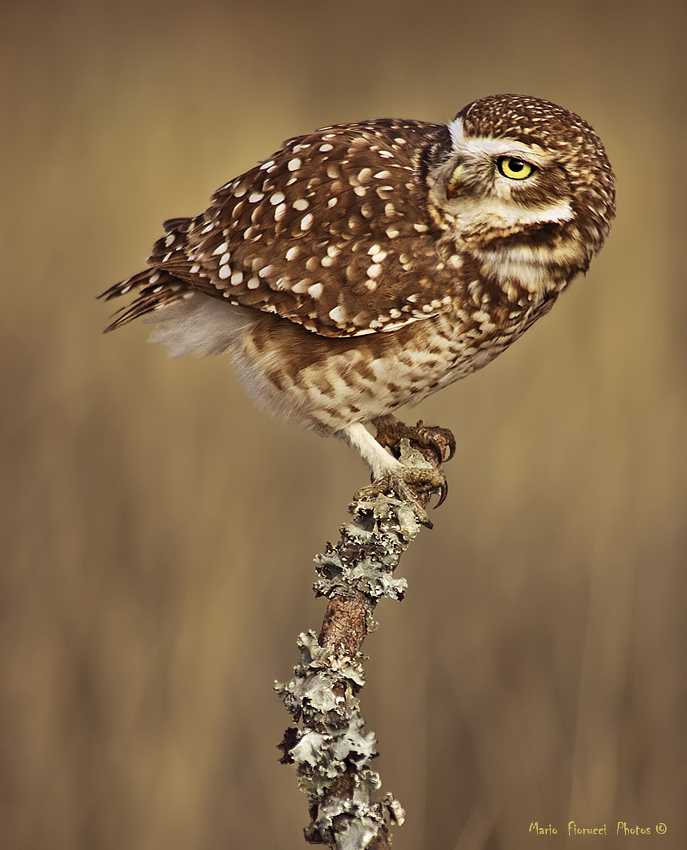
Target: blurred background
x=158, y=530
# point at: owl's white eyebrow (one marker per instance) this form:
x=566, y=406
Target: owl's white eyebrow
x=490, y=146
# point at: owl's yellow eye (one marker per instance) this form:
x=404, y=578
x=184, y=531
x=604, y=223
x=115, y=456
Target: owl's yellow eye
x=514, y=168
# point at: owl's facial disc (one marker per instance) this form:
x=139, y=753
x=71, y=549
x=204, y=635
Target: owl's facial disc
x=502, y=183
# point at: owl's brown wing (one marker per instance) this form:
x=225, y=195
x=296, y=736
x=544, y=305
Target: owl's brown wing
x=332, y=233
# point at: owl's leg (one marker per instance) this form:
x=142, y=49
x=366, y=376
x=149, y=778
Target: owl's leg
x=380, y=461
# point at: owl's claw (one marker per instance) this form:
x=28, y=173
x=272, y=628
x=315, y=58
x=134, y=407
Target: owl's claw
x=443, y=494
x=450, y=442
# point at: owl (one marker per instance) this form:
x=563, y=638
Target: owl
x=366, y=266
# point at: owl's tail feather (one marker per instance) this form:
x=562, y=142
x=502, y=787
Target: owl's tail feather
x=154, y=288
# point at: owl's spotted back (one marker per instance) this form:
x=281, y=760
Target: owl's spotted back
x=332, y=233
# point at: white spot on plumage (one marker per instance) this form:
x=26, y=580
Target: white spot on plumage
x=279, y=212
x=277, y=198
x=306, y=221
x=255, y=197
x=237, y=278
x=292, y=253
x=253, y=282
x=169, y=240
x=220, y=249
x=294, y=164
x=224, y=272
x=301, y=204
x=315, y=290
x=338, y=314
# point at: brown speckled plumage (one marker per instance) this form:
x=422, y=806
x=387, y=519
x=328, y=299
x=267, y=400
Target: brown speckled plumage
x=367, y=265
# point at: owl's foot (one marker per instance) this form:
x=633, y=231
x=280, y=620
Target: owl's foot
x=390, y=432
x=411, y=480
x=411, y=484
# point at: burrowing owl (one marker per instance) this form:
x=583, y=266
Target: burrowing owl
x=365, y=266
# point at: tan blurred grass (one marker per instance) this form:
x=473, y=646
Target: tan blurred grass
x=159, y=531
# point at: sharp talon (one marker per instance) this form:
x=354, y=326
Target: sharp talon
x=436, y=445
x=427, y=523
x=443, y=494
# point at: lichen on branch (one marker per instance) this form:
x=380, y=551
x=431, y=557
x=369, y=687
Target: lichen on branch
x=329, y=744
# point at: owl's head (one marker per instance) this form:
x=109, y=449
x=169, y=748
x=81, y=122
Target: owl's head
x=520, y=174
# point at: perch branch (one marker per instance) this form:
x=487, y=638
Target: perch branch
x=329, y=744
